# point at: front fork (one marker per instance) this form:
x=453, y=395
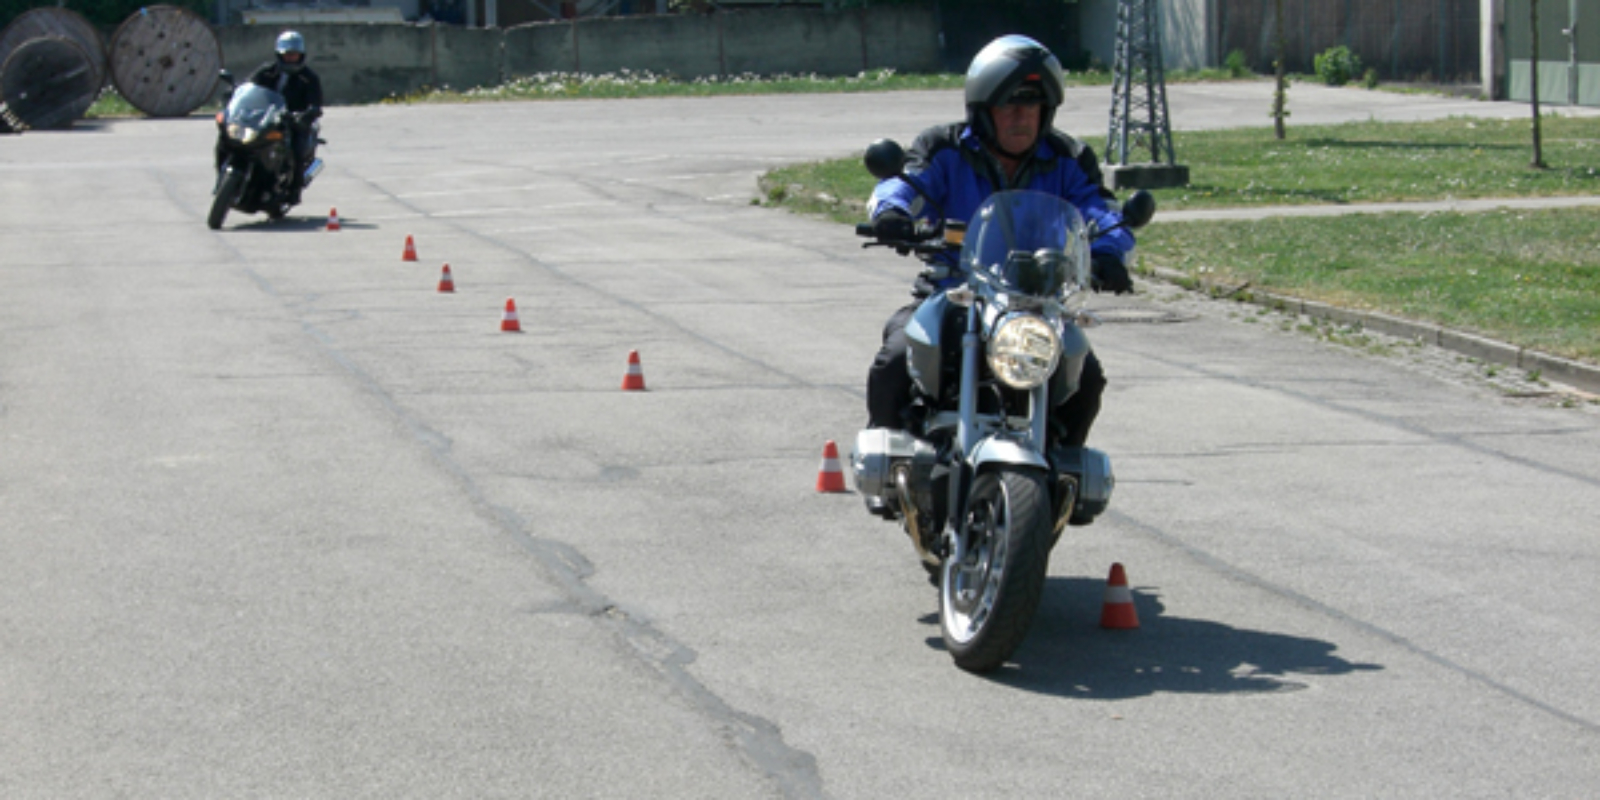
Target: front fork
x=968, y=434
x=225, y=163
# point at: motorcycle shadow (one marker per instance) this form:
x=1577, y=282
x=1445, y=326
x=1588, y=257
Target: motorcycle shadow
x=293, y=223
x=1067, y=654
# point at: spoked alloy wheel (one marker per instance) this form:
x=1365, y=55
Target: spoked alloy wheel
x=987, y=599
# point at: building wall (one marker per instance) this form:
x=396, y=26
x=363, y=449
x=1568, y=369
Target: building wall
x=1188, y=32
x=363, y=63
x=1564, y=64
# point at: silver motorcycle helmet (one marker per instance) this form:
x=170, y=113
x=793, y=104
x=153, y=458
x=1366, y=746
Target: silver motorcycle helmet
x=291, y=42
x=1012, y=69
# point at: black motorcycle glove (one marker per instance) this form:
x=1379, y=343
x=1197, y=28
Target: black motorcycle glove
x=894, y=226
x=1106, y=274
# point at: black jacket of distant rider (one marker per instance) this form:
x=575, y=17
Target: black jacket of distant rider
x=302, y=90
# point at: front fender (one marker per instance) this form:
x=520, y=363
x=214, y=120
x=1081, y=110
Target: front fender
x=995, y=451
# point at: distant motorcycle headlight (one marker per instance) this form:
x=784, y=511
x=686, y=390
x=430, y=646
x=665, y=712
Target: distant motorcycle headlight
x=1023, y=351
x=242, y=133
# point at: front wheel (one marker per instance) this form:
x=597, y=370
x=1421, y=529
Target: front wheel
x=226, y=192
x=988, y=598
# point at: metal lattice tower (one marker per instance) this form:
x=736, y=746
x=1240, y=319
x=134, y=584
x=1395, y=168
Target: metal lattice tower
x=1139, y=120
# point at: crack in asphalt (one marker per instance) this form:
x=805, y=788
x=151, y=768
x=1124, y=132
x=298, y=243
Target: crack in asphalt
x=1452, y=440
x=760, y=742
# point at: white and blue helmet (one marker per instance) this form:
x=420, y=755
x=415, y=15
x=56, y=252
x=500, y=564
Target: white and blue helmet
x=291, y=42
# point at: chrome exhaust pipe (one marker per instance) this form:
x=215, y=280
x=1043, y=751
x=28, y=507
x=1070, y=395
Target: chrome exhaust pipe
x=311, y=171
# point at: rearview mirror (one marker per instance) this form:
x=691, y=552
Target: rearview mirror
x=885, y=159
x=1136, y=213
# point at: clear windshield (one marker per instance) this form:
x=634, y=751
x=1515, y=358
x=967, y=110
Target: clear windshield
x=254, y=106
x=1028, y=242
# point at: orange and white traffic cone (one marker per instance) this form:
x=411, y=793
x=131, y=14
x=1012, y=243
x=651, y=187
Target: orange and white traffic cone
x=1117, y=613
x=830, y=478
x=508, y=320
x=410, y=253
x=446, y=283
x=333, y=219
x=634, y=380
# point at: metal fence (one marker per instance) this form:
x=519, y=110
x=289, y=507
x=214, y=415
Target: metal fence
x=1435, y=40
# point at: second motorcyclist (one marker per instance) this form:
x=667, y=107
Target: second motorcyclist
x=1013, y=89
x=288, y=75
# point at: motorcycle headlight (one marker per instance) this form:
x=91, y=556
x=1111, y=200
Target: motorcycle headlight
x=1023, y=351
x=242, y=133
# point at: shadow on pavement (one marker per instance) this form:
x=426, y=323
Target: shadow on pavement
x=262, y=224
x=1069, y=655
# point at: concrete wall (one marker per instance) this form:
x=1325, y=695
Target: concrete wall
x=363, y=63
x=827, y=44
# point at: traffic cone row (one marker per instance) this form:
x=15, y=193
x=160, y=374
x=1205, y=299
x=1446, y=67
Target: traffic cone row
x=1116, y=612
x=829, y=479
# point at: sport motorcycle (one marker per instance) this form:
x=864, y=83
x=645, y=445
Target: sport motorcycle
x=255, y=160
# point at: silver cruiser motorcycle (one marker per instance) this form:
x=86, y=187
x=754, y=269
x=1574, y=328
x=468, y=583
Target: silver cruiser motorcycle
x=978, y=480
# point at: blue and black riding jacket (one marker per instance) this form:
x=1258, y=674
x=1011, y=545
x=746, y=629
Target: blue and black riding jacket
x=953, y=167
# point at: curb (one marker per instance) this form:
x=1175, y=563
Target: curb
x=1554, y=368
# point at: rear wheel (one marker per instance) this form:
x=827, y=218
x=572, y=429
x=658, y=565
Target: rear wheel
x=988, y=598
x=226, y=192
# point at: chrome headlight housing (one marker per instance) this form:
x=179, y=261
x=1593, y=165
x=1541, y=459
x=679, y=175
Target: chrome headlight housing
x=1024, y=350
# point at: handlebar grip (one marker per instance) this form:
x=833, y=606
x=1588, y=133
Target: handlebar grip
x=864, y=229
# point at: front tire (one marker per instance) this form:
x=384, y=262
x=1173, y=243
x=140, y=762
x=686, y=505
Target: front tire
x=224, y=198
x=987, y=600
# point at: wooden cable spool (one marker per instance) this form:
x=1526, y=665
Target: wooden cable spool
x=48, y=83
x=165, y=60
x=39, y=22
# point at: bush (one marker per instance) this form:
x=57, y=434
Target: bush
x=1369, y=79
x=1237, y=63
x=1337, y=66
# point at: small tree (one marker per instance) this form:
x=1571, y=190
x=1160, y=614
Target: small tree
x=1533, y=76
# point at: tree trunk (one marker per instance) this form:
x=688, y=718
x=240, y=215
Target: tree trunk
x=1533, y=77
x=1280, y=97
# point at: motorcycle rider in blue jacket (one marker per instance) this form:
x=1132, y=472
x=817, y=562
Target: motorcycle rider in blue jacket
x=1013, y=88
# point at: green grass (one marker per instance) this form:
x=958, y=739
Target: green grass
x=1529, y=277
x=632, y=84
x=1365, y=162
x=1532, y=278
x=835, y=189
x=110, y=105
x=1360, y=162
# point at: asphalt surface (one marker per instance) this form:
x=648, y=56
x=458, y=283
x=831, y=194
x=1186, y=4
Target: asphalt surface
x=279, y=519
